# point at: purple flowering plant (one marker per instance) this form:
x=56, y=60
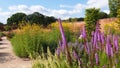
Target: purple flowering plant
x=101, y=51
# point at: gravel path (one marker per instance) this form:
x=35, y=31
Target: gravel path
x=8, y=59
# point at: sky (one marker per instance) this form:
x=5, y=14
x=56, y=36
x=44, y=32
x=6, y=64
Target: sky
x=63, y=9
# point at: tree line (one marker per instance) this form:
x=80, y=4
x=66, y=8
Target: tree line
x=34, y=18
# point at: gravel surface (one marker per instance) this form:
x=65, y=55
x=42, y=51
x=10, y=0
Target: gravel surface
x=8, y=58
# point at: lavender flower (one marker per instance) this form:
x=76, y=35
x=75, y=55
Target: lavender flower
x=75, y=54
x=109, y=49
x=58, y=51
x=96, y=58
x=104, y=66
x=102, y=38
x=64, y=45
x=88, y=48
x=92, y=40
x=83, y=33
x=62, y=33
x=116, y=44
x=95, y=39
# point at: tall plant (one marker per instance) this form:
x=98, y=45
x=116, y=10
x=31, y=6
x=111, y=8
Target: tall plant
x=91, y=17
x=114, y=6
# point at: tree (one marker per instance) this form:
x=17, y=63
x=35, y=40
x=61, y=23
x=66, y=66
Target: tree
x=114, y=6
x=103, y=15
x=16, y=18
x=40, y=19
x=91, y=18
x=35, y=18
x=1, y=26
x=118, y=16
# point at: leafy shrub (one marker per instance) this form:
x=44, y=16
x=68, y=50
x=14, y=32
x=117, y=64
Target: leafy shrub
x=91, y=17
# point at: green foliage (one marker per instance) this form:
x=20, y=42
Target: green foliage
x=32, y=39
x=51, y=61
x=10, y=35
x=35, y=18
x=114, y=6
x=103, y=15
x=118, y=16
x=16, y=18
x=27, y=44
x=91, y=17
x=40, y=19
x=7, y=27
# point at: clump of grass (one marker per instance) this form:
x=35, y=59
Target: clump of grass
x=29, y=40
x=50, y=61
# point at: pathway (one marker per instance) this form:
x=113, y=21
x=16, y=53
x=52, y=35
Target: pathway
x=8, y=59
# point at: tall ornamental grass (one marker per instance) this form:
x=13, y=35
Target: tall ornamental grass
x=32, y=40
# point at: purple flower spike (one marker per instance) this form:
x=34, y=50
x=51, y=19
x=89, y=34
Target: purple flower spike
x=83, y=33
x=88, y=49
x=102, y=38
x=92, y=41
x=109, y=49
x=96, y=58
x=95, y=39
x=75, y=54
x=104, y=66
x=60, y=44
x=116, y=44
x=58, y=51
x=62, y=33
x=98, y=35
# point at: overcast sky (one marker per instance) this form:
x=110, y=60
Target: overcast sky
x=57, y=8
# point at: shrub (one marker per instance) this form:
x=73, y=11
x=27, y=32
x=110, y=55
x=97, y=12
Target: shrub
x=91, y=17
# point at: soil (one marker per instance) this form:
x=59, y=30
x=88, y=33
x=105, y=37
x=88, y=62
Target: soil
x=8, y=59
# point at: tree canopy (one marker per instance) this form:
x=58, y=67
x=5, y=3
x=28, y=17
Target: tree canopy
x=114, y=5
x=91, y=18
x=16, y=18
x=35, y=17
x=103, y=15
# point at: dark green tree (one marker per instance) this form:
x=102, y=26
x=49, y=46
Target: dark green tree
x=114, y=6
x=16, y=18
x=91, y=18
x=103, y=15
x=35, y=18
x=40, y=19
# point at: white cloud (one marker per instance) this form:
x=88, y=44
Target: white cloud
x=19, y=7
x=64, y=12
x=106, y=11
x=4, y=16
x=65, y=6
x=58, y=13
x=97, y=3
